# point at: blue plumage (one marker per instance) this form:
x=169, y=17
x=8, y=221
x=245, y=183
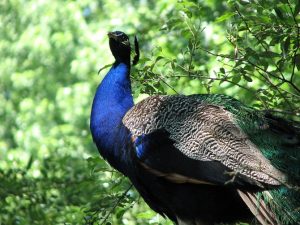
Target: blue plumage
x=112, y=100
x=141, y=145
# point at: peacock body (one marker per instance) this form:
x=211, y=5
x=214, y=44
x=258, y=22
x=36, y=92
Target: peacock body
x=198, y=159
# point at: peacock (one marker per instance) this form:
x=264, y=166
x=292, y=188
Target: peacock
x=197, y=159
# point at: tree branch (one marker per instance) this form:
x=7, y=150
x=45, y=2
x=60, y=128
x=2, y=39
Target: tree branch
x=258, y=39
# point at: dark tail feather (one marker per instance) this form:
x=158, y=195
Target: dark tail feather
x=288, y=130
x=259, y=208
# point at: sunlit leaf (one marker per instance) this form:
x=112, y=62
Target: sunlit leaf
x=224, y=17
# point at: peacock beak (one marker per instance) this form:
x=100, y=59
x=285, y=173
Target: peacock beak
x=111, y=35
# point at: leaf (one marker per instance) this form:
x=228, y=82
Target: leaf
x=245, y=2
x=270, y=54
x=297, y=61
x=264, y=63
x=279, y=13
x=104, y=67
x=173, y=65
x=281, y=63
x=275, y=40
x=247, y=78
x=265, y=19
x=242, y=28
x=285, y=46
x=145, y=215
x=29, y=163
x=190, y=45
x=158, y=58
x=222, y=70
x=186, y=33
x=264, y=98
x=297, y=9
x=253, y=59
x=190, y=4
x=173, y=23
x=221, y=81
x=236, y=78
x=187, y=12
x=238, y=63
x=121, y=212
x=159, y=48
x=164, y=27
x=143, y=60
x=226, y=16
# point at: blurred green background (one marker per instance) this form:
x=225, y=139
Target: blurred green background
x=50, y=53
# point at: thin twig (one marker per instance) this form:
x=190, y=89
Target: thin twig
x=161, y=78
x=278, y=90
x=215, y=54
x=215, y=79
x=116, y=204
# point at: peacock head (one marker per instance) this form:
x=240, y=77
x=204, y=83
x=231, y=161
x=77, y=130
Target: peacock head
x=120, y=47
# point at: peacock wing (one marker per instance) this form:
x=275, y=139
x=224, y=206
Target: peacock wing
x=184, y=136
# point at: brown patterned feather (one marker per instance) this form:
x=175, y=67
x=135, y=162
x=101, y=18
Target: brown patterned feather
x=203, y=132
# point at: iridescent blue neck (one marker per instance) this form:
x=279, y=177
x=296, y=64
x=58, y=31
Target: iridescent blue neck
x=112, y=100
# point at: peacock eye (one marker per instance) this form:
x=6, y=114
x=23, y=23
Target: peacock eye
x=126, y=42
x=124, y=38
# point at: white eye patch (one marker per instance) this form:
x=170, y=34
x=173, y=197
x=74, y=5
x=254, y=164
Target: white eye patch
x=126, y=42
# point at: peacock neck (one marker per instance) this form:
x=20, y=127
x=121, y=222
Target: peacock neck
x=112, y=100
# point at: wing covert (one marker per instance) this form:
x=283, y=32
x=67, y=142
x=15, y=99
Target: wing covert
x=202, y=132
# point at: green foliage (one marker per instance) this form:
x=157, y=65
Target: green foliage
x=50, y=52
x=256, y=57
